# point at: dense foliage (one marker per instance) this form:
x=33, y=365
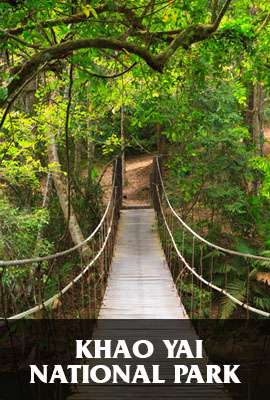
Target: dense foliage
x=192, y=81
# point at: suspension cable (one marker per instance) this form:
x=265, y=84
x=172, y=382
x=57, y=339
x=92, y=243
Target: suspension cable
x=48, y=302
x=25, y=261
x=200, y=238
x=207, y=283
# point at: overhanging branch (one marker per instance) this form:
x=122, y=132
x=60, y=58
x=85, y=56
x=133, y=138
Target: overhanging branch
x=184, y=39
x=65, y=49
x=96, y=75
x=221, y=14
x=192, y=34
x=72, y=19
x=77, y=18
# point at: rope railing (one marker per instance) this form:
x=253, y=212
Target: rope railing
x=214, y=246
x=203, y=276
x=87, y=279
x=48, y=302
x=10, y=263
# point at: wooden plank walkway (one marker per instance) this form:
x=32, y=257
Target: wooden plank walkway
x=140, y=284
x=141, y=289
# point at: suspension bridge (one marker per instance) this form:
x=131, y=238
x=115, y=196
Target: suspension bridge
x=144, y=263
x=141, y=263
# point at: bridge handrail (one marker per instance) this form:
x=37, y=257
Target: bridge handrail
x=61, y=292
x=200, y=238
x=33, y=260
x=206, y=282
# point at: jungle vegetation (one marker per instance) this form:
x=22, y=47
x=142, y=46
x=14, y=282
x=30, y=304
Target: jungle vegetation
x=187, y=79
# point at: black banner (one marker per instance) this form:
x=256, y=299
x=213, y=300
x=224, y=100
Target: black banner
x=134, y=359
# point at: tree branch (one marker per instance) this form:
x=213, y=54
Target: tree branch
x=221, y=14
x=16, y=94
x=132, y=18
x=185, y=38
x=65, y=49
x=263, y=25
x=69, y=100
x=192, y=34
x=23, y=42
x=72, y=19
x=107, y=76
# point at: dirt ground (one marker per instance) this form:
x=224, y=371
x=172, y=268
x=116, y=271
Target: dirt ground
x=136, y=187
x=138, y=169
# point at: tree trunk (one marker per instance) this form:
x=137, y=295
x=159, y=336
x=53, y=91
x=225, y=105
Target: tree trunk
x=45, y=201
x=36, y=267
x=90, y=152
x=158, y=137
x=256, y=123
x=255, y=117
x=214, y=10
x=77, y=157
x=61, y=189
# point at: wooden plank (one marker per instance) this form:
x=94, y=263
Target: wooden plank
x=140, y=284
x=141, y=288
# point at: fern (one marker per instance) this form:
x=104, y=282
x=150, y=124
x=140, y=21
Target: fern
x=236, y=289
x=262, y=303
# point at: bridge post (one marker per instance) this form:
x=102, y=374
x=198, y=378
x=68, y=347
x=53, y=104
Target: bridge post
x=119, y=180
x=155, y=184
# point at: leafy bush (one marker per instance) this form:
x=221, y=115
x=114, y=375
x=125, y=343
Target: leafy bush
x=19, y=230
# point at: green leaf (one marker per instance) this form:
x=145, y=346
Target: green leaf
x=87, y=10
x=3, y=93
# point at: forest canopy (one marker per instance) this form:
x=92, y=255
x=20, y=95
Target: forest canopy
x=85, y=81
